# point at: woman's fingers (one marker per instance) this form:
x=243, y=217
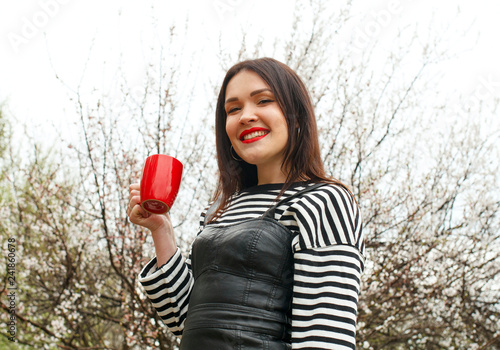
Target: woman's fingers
x=134, y=199
x=134, y=196
x=137, y=214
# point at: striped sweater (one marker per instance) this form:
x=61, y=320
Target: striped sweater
x=328, y=249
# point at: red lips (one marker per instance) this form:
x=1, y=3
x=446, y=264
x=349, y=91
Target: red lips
x=252, y=130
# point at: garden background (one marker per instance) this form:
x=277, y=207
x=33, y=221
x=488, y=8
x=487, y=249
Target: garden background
x=406, y=96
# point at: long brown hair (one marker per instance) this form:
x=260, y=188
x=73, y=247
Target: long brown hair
x=302, y=154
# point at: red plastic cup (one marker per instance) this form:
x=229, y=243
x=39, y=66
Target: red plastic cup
x=160, y=183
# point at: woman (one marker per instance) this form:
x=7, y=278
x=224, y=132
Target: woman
x=277, y=261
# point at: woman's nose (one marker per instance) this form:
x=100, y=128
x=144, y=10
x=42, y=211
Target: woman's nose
x=248, y=115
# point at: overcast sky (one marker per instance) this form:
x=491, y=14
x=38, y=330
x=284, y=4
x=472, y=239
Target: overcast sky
x=40, y=38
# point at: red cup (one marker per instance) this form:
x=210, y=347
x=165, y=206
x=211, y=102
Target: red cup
x=160, y=183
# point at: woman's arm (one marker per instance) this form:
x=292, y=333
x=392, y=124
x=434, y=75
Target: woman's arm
x=160, y=226
x=167, y=279
x=328, y=261
x=325, y=297
x=169, y=288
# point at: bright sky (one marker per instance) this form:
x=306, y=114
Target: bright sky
x=39, y=38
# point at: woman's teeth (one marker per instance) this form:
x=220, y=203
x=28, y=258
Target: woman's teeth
x=254, y=134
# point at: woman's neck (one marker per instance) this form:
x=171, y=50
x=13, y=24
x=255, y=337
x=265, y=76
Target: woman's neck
x=271, y=174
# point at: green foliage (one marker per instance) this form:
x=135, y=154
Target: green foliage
x=75, y=289
x=7, y=344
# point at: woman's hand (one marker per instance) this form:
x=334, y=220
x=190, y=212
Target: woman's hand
x=160, y=225
x=137, y=215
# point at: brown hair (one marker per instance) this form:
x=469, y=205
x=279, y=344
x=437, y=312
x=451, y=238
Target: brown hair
x=302, y=153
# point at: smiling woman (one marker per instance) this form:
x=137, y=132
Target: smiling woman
x=278, y=258
x=281, y=87
x=256, y=126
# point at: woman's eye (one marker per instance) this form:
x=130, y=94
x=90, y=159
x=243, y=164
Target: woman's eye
x=232, y=110
x=264, y=101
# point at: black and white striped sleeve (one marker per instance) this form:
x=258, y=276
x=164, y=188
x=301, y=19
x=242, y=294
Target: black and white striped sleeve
x=169, y=288
x=328, y=261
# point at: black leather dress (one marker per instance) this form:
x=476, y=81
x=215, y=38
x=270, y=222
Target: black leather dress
x=243, y=280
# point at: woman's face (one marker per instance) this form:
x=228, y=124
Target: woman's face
x=255, y=123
